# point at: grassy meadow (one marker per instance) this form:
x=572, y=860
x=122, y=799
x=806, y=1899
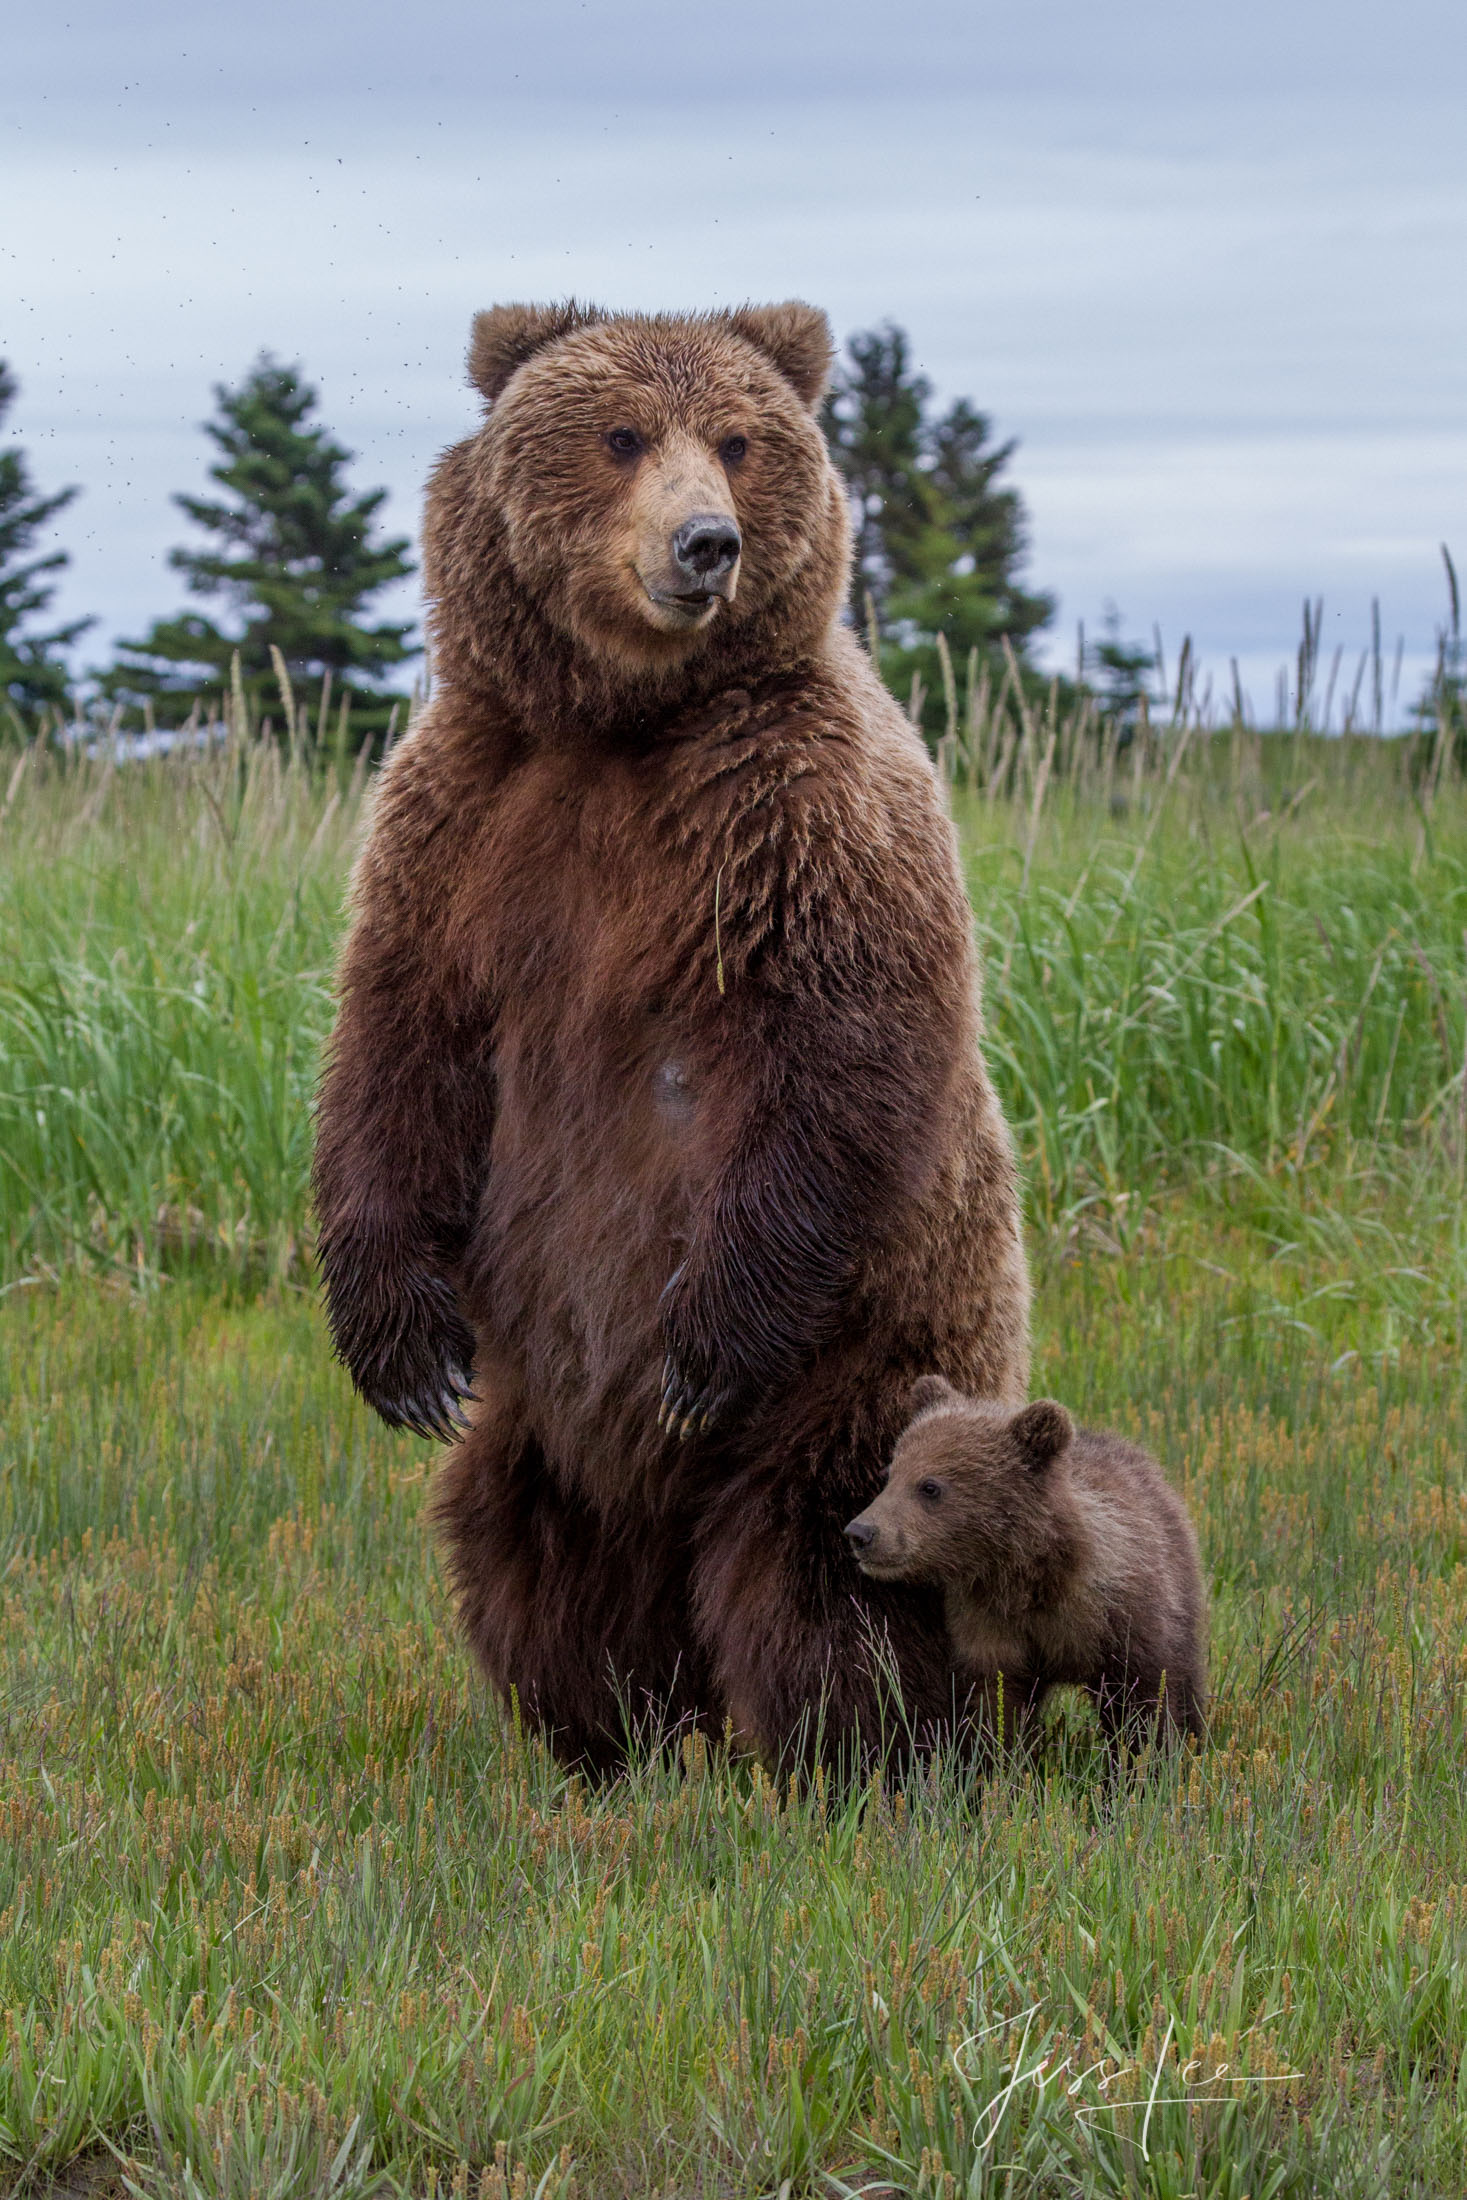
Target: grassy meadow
x=287, y=1907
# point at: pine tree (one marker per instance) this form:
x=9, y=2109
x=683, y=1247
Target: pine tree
x=31, y=671
x=875, y=423
x=1120, y=674
x=292, y=558
x=939, y=541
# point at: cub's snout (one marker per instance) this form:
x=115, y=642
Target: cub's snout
x=876, y=1540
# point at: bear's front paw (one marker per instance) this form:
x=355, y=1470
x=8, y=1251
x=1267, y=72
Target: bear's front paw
x=697, y=1394
x=409, y=1351
x=433, y=1408
x=689, y=1407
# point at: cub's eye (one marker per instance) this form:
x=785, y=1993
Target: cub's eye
x=625, y=442
x=930, y=1490
x=734, y=447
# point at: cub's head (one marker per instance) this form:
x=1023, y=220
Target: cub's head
x=650, y=487
x=965, y=1490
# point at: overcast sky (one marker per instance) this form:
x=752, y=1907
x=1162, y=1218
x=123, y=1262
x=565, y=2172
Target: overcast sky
x=1208, y=264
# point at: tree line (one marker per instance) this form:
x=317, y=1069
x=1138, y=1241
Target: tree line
x=290, y=559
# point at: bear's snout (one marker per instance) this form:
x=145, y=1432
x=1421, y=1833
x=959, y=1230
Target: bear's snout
x=878, y=1548
x=706, y=548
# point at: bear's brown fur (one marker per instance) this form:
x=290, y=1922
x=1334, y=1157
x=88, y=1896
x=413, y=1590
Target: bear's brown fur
x=655, y=1098
x=1064, y=1556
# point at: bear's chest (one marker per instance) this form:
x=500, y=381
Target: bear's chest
x=674, y=1094
x=608, y=902
x=599, y=950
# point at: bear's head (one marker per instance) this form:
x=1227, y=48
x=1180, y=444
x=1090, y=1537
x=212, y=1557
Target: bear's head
x=648, y=512
x=966, y=1494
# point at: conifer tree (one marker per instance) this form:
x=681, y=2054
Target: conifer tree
x=939, y=539
x=1120, y=674
x=292, y=558
x=31, y=669
x=875, y=423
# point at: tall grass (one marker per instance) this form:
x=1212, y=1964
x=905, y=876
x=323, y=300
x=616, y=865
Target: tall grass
x=170, y=933
x=1248, y=964
x=1212, y=994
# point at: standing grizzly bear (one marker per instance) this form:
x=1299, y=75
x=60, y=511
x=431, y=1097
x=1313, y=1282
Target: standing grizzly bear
x=656, y=1154
x=1064, y=1556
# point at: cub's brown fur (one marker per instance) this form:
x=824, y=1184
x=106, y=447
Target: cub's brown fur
x=1064, y=1556
x=655, y=1104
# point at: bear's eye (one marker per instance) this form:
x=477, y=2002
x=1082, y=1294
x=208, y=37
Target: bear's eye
x=930, y=1490
x=734, y=447
x=625, y=442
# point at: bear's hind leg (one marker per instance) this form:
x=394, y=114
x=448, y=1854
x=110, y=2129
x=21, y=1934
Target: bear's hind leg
x=585, y=1621
x=810, y=1661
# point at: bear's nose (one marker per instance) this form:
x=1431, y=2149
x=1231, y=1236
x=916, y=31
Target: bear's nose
x=860, y=1534
x=707, y=546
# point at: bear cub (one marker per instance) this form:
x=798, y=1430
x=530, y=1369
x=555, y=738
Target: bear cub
x=1065, y=1556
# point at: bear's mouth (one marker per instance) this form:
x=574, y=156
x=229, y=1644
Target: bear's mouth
x=688, y=608
x=877, y=1566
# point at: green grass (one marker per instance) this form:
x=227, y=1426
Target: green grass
x=287, y=1907
x=167, y=985
x=1253, y=978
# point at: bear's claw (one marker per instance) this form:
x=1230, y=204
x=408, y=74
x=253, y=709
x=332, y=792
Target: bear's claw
x=404, y=1341
x=686, y=1408
x=437, y=1414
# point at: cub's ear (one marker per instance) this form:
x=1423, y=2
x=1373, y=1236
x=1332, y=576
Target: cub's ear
x=1041, y=1431
x=504, y=337
x=929, y=1390
x=797, y=338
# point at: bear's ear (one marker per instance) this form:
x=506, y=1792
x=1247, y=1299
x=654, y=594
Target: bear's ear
x=929, y=1390
x=504, y=337
x=796, y=337
x=1042, y=1431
